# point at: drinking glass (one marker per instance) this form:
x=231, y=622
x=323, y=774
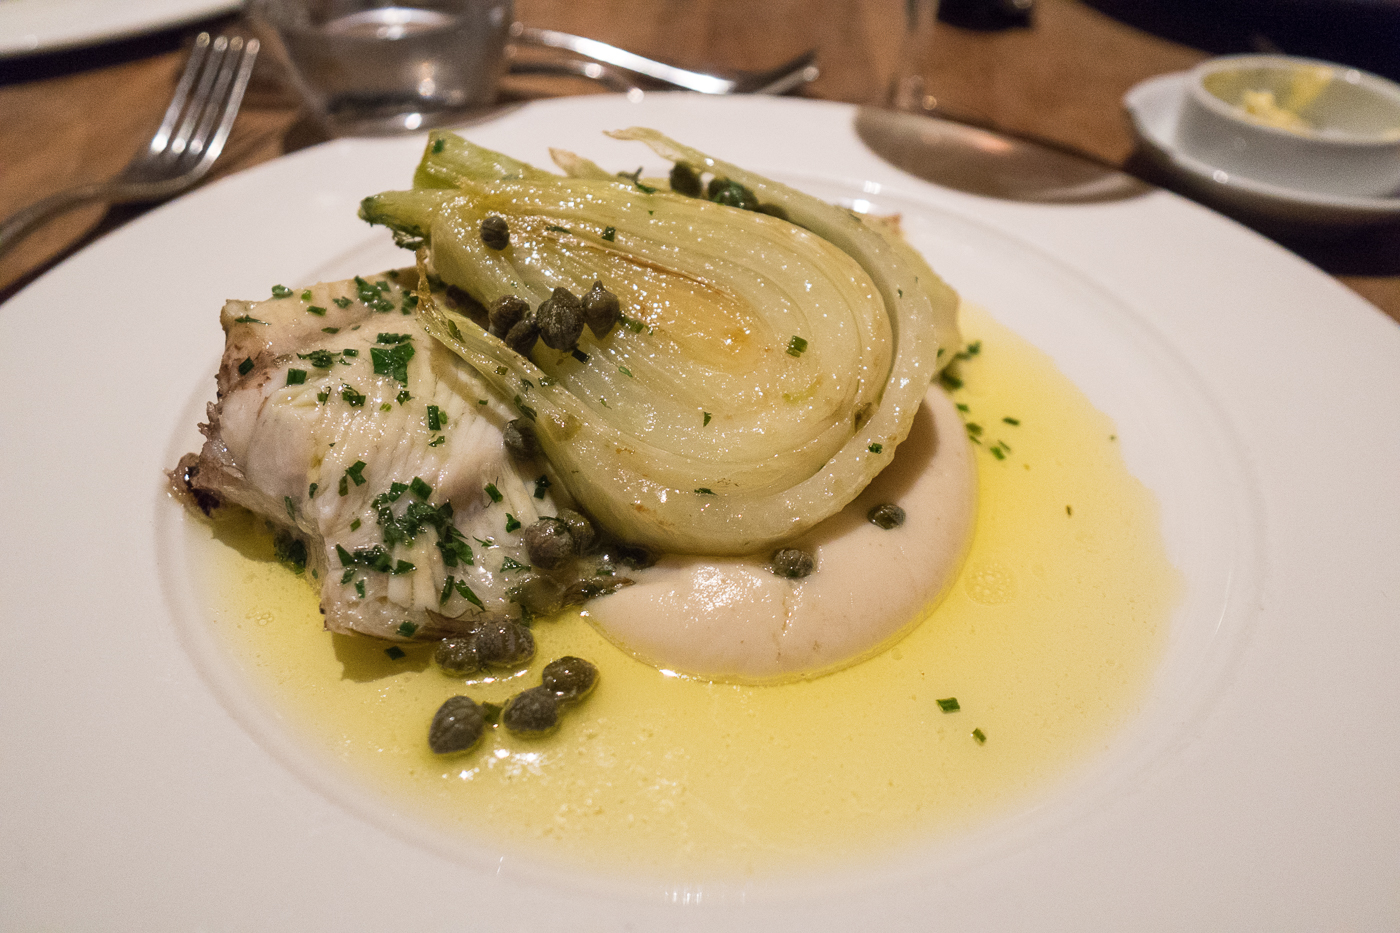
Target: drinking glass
x=367, y=67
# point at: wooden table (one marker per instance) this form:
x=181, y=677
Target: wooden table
x=77, y=117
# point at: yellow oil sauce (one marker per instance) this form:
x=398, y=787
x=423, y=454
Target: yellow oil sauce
x=1047, y=642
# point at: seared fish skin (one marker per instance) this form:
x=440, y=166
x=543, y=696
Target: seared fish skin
x=339, y=420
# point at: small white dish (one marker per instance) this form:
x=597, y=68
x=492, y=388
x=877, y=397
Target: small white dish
x=1155, y=107
x=1296, y=122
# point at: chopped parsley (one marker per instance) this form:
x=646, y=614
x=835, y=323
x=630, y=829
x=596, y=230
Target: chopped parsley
x=553, y=228
x=420, y=489
x=437, y=441
x=512, y=523
x=296, y=377
x=321, y=359
x=876, y=448
x=704, y=491
x=394, y=652
x=353, y=398
x=707, y=418
x=342, y=303
x=510, y=563
x=316, y=310
x=248, y=319
x=541, y=484
x=406, y=629
x=245, y=367
x=610, y=234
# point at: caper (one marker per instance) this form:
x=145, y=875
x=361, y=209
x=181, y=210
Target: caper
x=539, y=594
x=523, y=335
x=792, y=563
x=457, y=726
x=520, y=439
x=887, y=515
x=569, y=678
x=580, y=528
x=495, y=232
x=458, y=656
x=506, y=311
x=561, y=320
x=505, y=644
x=601, y=310
x=531, y=712
x=685, y=180
x=724, y=191
x=549, y=543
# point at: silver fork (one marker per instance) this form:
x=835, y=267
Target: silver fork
x=181, y=152
x=777, y=80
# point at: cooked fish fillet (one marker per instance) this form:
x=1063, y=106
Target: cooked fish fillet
x=340, y=420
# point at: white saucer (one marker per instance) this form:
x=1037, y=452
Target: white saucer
x=1154, y=106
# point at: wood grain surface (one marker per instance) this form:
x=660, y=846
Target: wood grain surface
x=76, y=117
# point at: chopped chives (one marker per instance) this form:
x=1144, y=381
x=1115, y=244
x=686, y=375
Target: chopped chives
x=1011, y=421
x=610, y=233
x=245, y=367
x=435, y=419
x=393, y=651
x=876, y=448
x=706, y=419
x=705, y=491
x=949, y=705
x=406, y=629
x=980, y=736
x=281, y=291
x=296, y=377
x=796, y=346
x=419, y=488
x=493, y=492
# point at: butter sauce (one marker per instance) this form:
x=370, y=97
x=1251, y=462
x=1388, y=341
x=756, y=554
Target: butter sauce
x=1047, y=639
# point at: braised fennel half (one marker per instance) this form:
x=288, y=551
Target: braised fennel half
x=768, y=363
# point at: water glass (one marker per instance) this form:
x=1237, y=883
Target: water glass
x=366, y=67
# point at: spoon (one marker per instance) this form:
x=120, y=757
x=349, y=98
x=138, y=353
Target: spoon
x=777, y=80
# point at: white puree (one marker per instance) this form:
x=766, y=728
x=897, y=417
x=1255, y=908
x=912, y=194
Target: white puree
x=732, y=619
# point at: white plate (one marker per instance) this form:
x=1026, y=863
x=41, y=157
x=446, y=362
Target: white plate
x=1154, y=107
x=144, y=789
x=32, y=26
